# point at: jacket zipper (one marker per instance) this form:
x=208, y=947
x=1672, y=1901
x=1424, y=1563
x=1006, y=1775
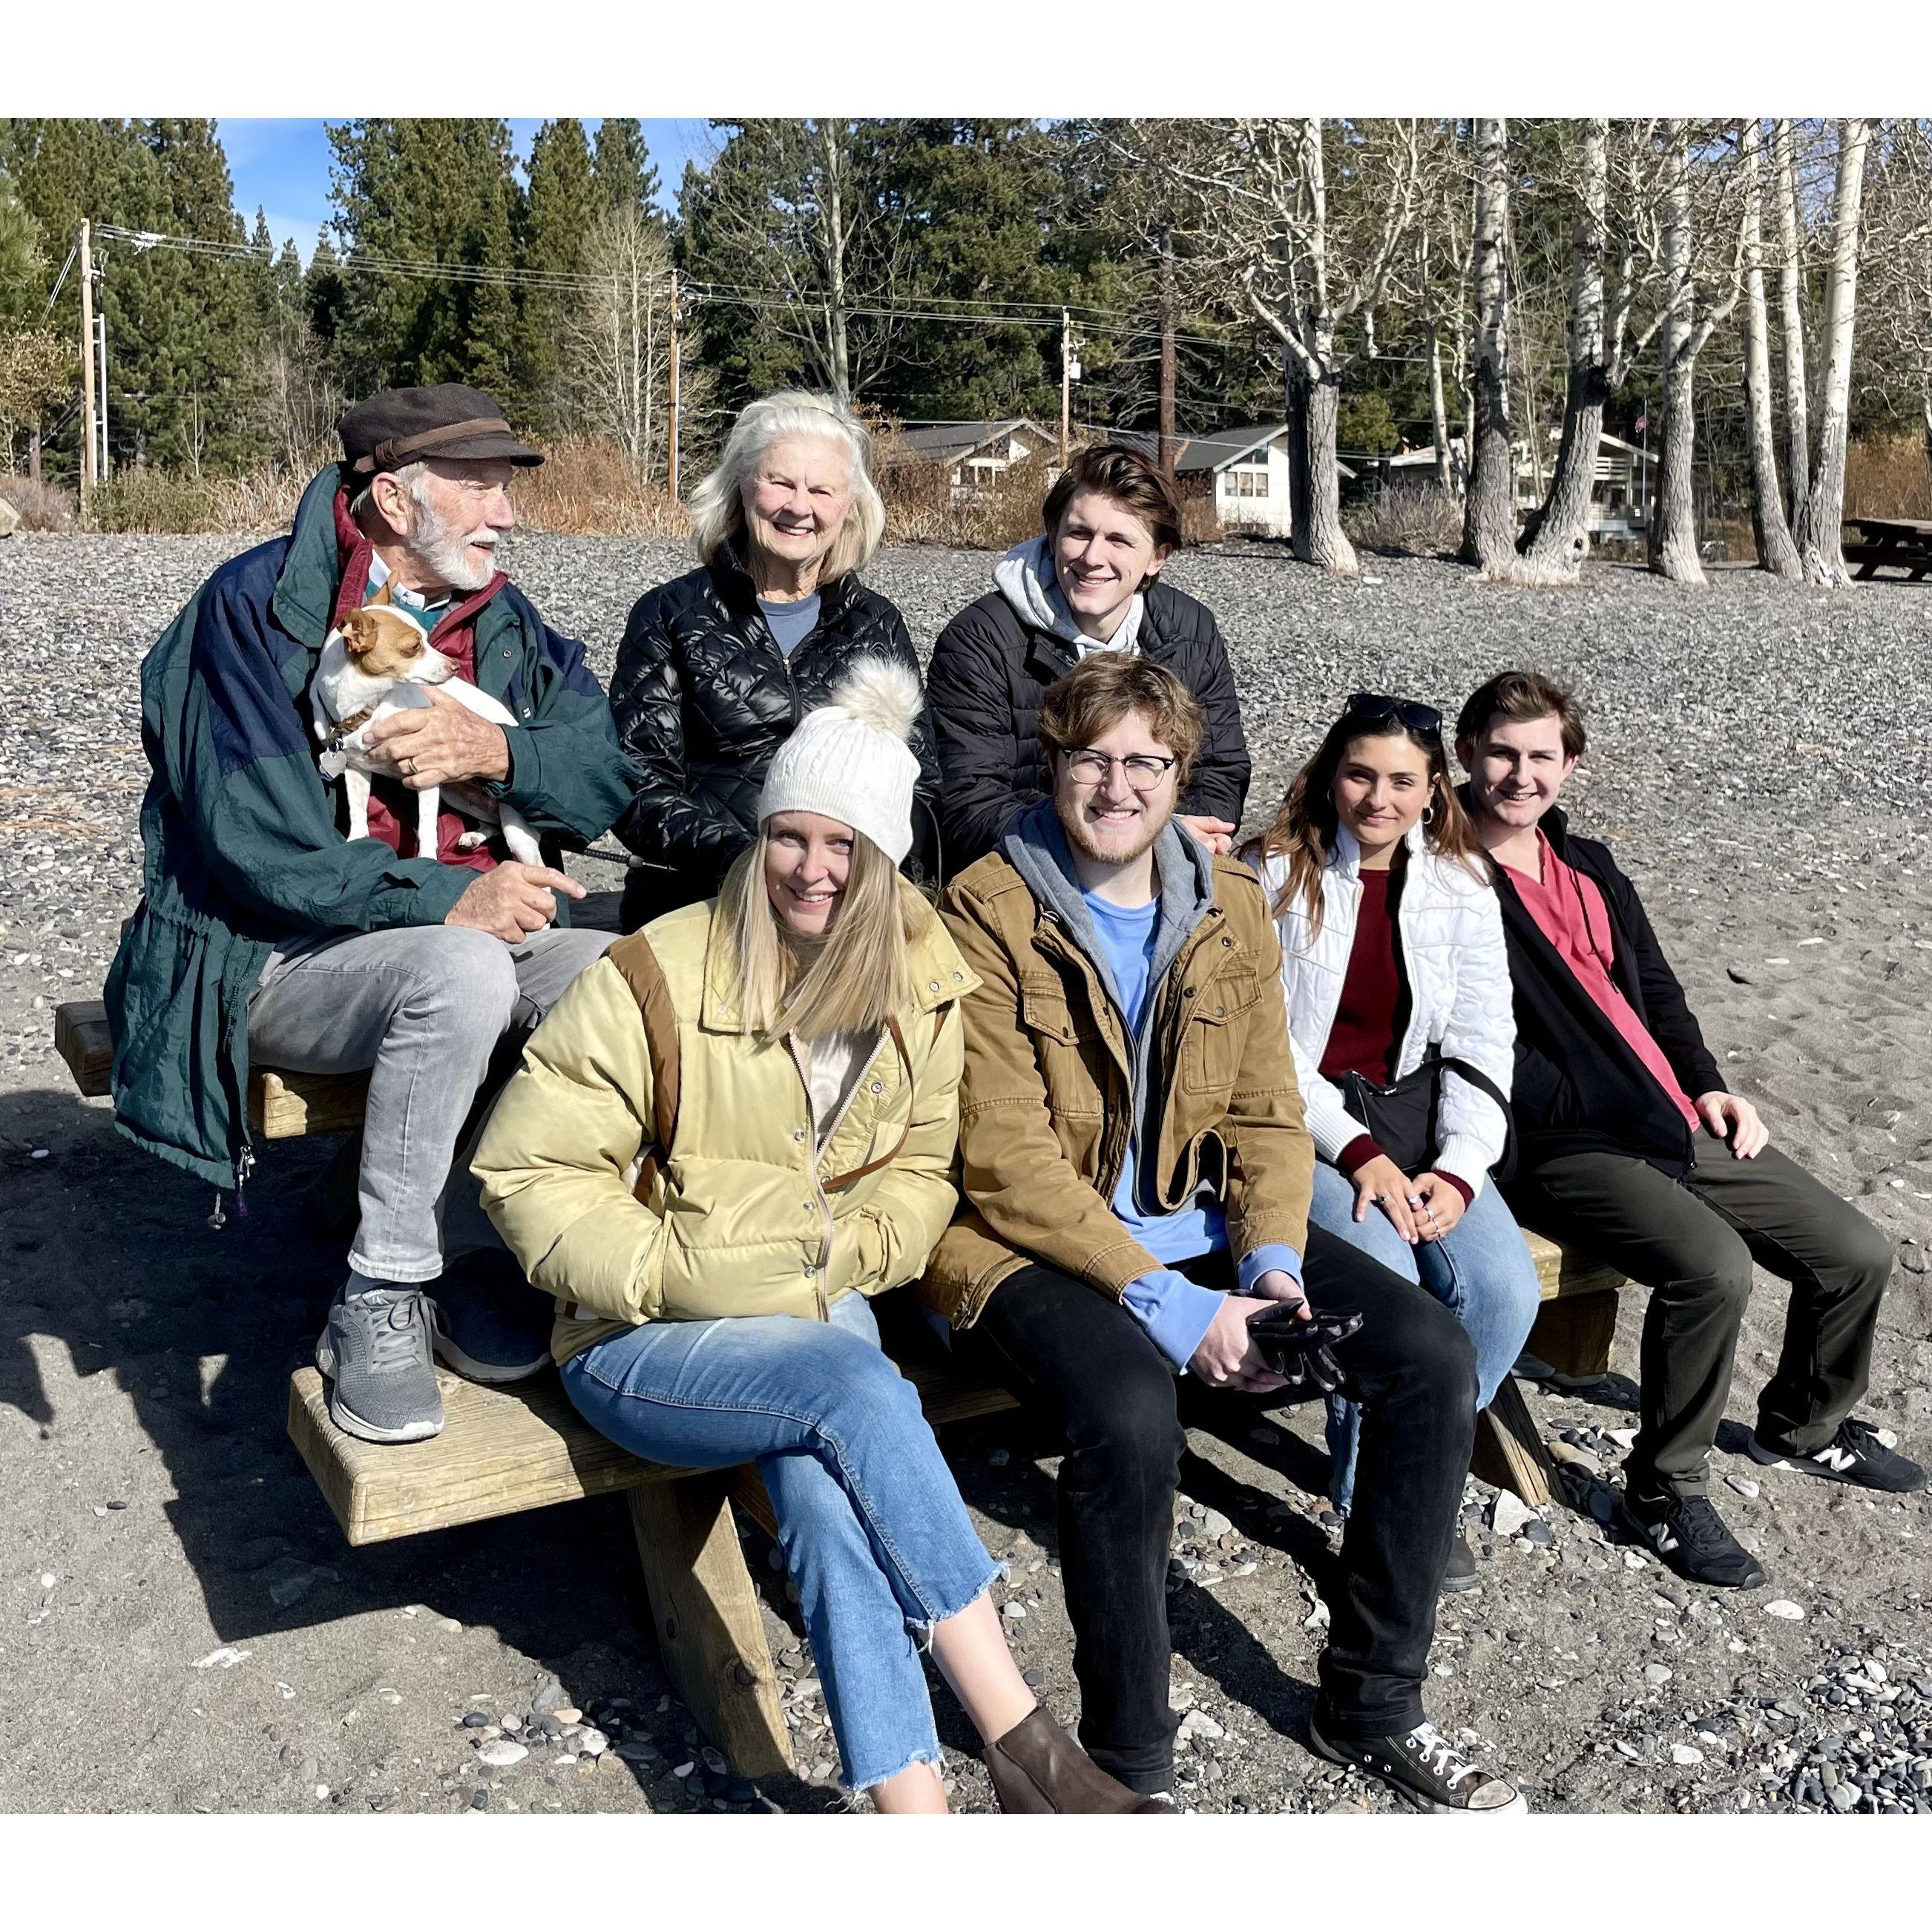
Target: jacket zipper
x=818, y=1274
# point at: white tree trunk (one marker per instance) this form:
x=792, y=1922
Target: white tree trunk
x=1489, y=521
x=1673, y=525
x=1555, y=554
x=1438, y=417
x=832, y=214
x=1790, y=283
x=1820, y=527
x=1776, y=551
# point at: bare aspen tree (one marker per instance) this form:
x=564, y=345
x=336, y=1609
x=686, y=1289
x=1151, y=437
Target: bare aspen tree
x=1820, y=531
x=1791, y=303
x=1444, y=237
x=1673, y=527
x=615, y=343
x=1601, y=348
x=1305, y=270
x=1776, y=551
x=1489, y=513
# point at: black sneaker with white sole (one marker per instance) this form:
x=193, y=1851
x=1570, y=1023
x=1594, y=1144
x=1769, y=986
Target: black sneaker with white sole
x=1689, y=1535
x=1856, y=1454
x=1423, y=1769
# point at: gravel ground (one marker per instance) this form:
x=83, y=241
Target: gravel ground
x=182, y=1628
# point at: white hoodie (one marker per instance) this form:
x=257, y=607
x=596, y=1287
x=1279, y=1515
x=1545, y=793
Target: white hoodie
x=1025, y=576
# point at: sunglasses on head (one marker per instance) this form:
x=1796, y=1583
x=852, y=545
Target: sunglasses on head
x=1372, y=706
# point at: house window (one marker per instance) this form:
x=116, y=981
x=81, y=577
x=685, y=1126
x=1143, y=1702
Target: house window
x=1246, y=482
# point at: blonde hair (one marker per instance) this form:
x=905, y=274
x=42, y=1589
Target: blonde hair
x=859, y=978
x=717, y=505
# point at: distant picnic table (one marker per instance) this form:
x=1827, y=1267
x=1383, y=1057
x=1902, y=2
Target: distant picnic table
x=1892, y=543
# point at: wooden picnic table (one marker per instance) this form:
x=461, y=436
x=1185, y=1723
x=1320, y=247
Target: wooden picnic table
x=1894, y=543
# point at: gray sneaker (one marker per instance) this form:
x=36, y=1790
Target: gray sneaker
x=375, y=1352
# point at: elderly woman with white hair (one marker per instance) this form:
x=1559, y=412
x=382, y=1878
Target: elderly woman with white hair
x=718, y=667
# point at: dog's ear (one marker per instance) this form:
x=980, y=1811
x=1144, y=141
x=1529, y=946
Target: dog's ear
x=359, y=634
x=382, y=596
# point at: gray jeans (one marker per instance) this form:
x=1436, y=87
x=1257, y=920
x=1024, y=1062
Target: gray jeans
x=423, y=1008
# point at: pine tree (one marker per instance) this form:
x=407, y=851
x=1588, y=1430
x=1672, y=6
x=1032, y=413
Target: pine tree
x=437, y=191
x=562, y=200
x=622, y=167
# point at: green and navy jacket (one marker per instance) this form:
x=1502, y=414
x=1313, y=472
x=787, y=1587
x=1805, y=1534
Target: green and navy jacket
x=241, y=850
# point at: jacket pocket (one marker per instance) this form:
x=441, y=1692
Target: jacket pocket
x=1216, y=1031
x=1067, y=1046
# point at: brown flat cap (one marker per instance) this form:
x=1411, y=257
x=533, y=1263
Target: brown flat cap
x=394, y=427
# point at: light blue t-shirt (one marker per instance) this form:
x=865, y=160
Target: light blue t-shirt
x=790, y=624
x=1176, y=1311
x=1127, y=939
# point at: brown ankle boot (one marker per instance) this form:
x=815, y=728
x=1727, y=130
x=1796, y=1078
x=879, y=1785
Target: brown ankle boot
x=1037, y=1767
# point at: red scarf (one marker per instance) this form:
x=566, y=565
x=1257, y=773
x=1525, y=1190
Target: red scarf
x=392, y=806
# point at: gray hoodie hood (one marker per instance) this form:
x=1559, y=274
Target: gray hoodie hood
x=1024, y=577
x=1035, y=845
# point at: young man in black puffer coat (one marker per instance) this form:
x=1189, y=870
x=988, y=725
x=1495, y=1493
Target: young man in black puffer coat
x=1090, y=584
x=718, y=667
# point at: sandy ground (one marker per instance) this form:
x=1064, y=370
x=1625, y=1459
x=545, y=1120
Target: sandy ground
x=183, y=1628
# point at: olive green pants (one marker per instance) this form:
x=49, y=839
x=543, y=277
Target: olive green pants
x=1692, y=1243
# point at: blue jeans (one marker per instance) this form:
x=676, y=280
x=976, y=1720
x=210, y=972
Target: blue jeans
x=869, y=1519
x=1480, y=1270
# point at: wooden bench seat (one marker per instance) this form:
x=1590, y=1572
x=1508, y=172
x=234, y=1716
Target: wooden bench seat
x=503, y=1450
x=282, y=1104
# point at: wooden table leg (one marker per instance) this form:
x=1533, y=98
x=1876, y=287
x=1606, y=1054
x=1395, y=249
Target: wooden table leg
x=1509, y=1451
x=705, y=1609
x=1573, y=1334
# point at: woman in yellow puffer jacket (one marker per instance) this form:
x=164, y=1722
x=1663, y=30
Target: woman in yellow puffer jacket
x=731, y=1131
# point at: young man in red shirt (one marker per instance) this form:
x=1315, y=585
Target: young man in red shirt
x=1629, y=1146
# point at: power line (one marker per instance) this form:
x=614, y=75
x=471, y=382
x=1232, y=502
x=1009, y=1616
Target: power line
x=944, y=309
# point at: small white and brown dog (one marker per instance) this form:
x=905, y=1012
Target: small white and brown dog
x=377, y=664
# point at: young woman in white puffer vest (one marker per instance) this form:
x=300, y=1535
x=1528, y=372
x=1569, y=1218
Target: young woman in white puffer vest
x=1392, y=958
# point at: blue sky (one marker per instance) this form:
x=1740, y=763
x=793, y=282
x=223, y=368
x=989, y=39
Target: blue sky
x=282, y=166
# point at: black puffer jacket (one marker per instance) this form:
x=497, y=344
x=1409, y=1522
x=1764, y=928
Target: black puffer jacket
x=703, y=697
x=991, y=669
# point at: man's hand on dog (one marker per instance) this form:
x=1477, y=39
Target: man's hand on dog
x=438, y=746
x=512, y=901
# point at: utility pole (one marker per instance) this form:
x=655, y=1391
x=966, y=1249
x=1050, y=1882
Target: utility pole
x=1066, y=380
x=675, y=415
x=87, y=364
x=1169, y=316
x=1070, y=347
x=101, y=324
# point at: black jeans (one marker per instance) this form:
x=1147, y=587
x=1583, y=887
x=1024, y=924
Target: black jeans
x=1083, y=1362
x=1692, y=1242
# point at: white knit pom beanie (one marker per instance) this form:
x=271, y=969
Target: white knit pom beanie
x=849, y=760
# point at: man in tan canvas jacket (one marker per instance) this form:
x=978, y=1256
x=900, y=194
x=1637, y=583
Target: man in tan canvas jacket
x=1135, y=1179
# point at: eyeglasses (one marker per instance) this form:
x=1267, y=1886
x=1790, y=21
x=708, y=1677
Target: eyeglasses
x=1144, y=771
x=1371, y=706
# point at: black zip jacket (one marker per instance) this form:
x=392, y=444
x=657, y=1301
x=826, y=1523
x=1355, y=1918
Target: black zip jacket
x=990, y=670
x=703, y=697
x=1578, y=1088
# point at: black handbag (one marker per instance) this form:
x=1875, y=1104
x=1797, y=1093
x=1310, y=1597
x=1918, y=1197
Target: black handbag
x=1402, y=1117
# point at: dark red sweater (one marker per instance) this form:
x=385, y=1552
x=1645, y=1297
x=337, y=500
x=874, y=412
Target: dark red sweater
x=1362, y=1039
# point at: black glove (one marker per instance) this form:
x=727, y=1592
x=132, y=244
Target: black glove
x=1300, y=1352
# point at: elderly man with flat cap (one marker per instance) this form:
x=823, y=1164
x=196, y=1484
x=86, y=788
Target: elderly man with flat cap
x=263, y=930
